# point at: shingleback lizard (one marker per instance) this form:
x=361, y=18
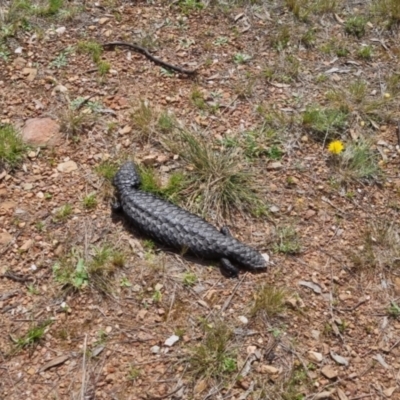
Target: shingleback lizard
x=179, y=229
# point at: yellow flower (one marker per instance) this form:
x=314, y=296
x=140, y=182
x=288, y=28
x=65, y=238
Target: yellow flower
x=335, y=147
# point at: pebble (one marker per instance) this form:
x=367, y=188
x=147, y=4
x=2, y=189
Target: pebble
x=67, y=166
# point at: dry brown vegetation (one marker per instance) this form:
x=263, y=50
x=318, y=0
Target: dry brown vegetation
x=90, y=310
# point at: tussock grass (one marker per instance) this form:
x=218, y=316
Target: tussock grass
x=33, y=336
x=359, y=162
x=324, y=123
x=215, y=355
x=286, y=240
x=12, y=148
x=380, y=247
x=268, y=300
x=219, y=180
x=74, y=272
x=94, y=49
x=387, y=10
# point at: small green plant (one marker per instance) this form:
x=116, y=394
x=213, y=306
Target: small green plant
x=157, y=296
x=144, y=119
x=33, y=336
x=103, y=67
x=342, y=51
x=167, y=72
x=90, y=201
x=294, y=386
x=308, y=38
x=149, y=245
x=189, y=279
x=12, y=148
x=187, y=6
x=93, y=48
x=76, y=273
x=274, y=153
x=74, y=120
x=134, y=373
x=220, y=41
x=380, y=247
x=166, y=122
x=241, y=58
x=287, y=240
x=358, y=90
x=355, y=26
x=393, y=310
x=107, y=170
x=53, y=7
x=268, y=300
x=389, y=10
x=62, y=59
x=197, y=98
x=64, y=212
x=365, y=52
x=77, y=276
x=214, y=355
x=32, y=290
x=359, y=161
x=40, y=226
x=325, y=123
x=280, y=40
x=124, y=282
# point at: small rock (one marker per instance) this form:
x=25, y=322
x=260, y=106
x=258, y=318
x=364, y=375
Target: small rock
x=103, y=20
x=274, y=209
x=41, y=132
x=329, y=372
x=171, y=340
x=5, y=238
x=149, y=160
x=6, y=206
x=268, y=369
x=315, y=334
x=314, y=356
x=161, y=159
x=27, y=245
x=155, y=349
x=67, y=166
x=310, y=214
x=108, y=329
x=61, y=30
x=32, y=154
x=126, y=129
x=19, y=62
x=274, y=165
x=243, y=319
x=28, y=186
x=30, y=72
x=141, y=314
x=388, y=392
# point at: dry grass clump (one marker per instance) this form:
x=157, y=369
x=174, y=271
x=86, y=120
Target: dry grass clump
x=219, y=180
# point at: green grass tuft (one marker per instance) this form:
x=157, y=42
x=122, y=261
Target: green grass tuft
x=219, y=181
x=214, y=356
x=12, y=148
x=268, y=300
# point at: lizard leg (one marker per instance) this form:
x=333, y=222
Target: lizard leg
x=116, y=206
x=228, y=268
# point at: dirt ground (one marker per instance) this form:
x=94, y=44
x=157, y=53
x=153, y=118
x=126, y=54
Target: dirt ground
x=321, y=323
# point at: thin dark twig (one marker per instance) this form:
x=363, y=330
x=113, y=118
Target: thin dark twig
x=147, y=54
